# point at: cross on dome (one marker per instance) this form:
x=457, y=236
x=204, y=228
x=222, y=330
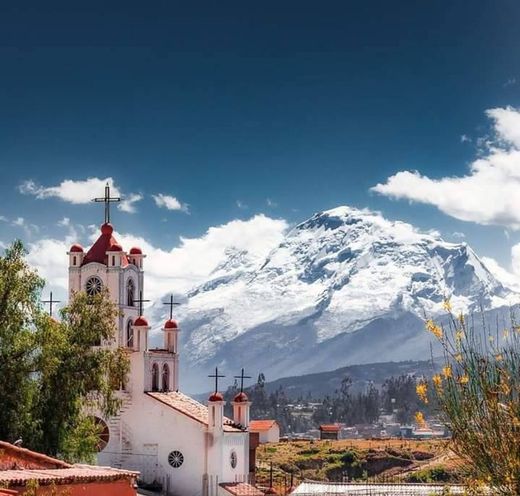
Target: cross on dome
x=242, y=377
x=140, y=300
x=107, y=200
x=171, y=303
x=216, y=376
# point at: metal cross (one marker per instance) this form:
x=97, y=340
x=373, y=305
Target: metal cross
x=171, y=303
x=242, y=377
x=50, y=301
x=217, y=377
x=140, y=301
x=107, y=200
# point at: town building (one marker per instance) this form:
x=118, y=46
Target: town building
x=170, y=438
x=268, y=430
x=330, y=431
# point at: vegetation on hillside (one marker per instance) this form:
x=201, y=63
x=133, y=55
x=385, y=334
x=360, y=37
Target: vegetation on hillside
x=51, y=372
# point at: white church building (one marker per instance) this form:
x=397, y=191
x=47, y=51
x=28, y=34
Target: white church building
x=190, y=448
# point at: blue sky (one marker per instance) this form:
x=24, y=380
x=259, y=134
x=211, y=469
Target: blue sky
x=236, y=109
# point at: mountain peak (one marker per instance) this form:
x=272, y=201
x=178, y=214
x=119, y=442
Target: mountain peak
x=333, y=281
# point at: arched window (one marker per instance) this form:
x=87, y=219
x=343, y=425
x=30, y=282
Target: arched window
x=155, y=377
x=130, y=291
x=129, y=334
x=165, y=377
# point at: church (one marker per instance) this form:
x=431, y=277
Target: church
x=188, y=447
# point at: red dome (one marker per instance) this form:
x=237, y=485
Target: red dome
x=75, y=248
x=141, y=322
x=216, y=397
x=107, y=229
x=241, y=398
x=136, y=251
x=171, y=324
x=115, y=247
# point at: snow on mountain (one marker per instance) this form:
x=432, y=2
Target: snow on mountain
x=345, y=286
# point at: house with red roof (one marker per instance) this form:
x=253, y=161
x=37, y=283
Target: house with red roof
x=21, y=469
x=268, y=430
x=186, y=446
x=330, y=431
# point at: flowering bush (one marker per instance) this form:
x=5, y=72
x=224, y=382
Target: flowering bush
x=478, y=391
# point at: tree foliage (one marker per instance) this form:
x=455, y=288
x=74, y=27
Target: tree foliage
x=56, y=377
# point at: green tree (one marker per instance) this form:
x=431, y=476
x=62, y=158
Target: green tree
x=20, y=288
x=61, y=377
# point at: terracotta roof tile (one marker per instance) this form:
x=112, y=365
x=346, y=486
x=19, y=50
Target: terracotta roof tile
x=190, y=407
x=261, y=425
x=12, y=456
x=76, y=473
x=329, y=428
x=241, y=489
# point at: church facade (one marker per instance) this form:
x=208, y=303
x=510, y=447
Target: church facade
x=189, y=447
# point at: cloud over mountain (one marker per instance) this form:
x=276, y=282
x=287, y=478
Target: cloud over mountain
x=488, y=194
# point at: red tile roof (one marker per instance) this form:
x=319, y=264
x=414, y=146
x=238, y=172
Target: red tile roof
x=190, y=407
x=16, y=457
x=76, y=473
x=261, y=425
x=105, y=242
x=241, y=489
x=329, y=428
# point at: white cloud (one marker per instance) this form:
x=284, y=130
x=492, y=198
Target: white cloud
x=465, y=138
x=488, y=194
x=169, y=202
x=76, y=192
x=65, y=222
x=177, y=269
x=241, y=205
x=127, y=203
x=271, y=203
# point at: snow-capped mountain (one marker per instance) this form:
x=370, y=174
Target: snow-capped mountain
x=344, y=287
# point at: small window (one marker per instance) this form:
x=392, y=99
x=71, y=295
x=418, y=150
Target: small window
x=93, y=286
x=113, y=260
x=73, y=260
x=233, y=459
x=175, y=459
x=129, y=334
x=130, y=291
x=155, y=377
x=165, y=377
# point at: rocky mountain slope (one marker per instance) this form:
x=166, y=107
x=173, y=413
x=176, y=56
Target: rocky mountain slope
x=344, y=287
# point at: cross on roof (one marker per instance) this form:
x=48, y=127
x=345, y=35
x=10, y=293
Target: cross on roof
x=242, y=377
x=217, y=377
x=140, y=300
x=50, y=301
x=171, y=303
x=107, y=200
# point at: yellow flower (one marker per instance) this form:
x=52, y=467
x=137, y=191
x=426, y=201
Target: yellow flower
x=446, y=371
x=419, y=419
x=458, y=357
x=505, y=333
x=499, y=357
x=422, y=391
x=459, y=335
x=432, y=327
x=447, y=305
x=461, y=318
x=437, y=381
x=463, y=379
x=491, y=339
